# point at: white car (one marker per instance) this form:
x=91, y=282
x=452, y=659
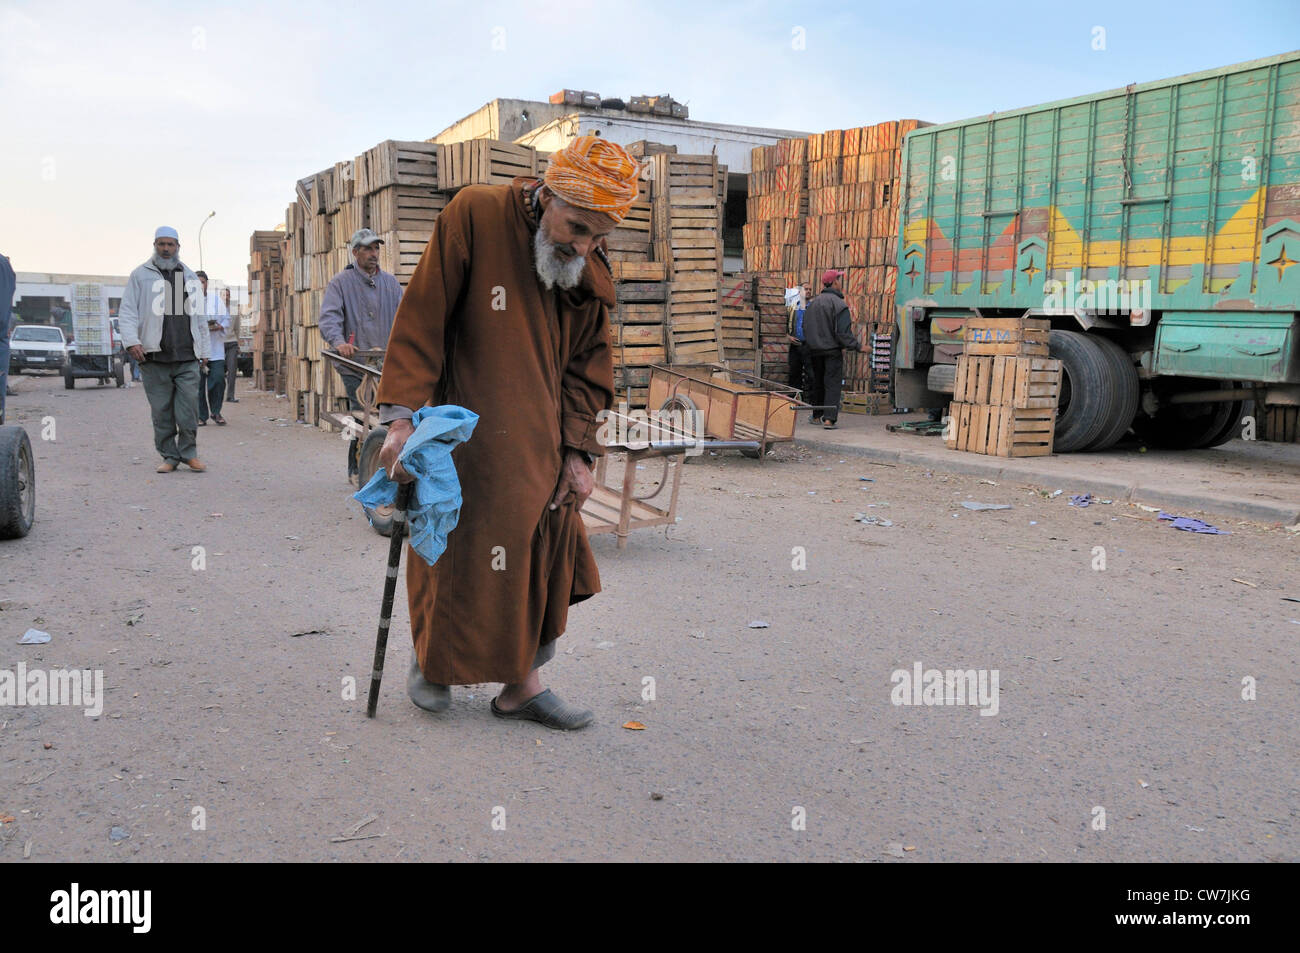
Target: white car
x=38, y=347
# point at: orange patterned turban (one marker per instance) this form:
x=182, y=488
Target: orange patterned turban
x=596, y=174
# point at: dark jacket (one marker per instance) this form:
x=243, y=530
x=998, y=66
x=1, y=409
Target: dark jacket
x=827, y=324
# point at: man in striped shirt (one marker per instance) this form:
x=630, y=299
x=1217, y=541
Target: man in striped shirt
x=357, y=314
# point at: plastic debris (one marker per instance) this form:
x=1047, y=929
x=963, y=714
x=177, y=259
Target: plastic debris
x=972, y=505
x=872, y=520
x=1187, y=524
x=34, y=637
x=758, y=624
x=1081, y=499
x=866, y=480
x=1055, y=493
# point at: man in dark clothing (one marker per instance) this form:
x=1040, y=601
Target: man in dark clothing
x=164, y=328
x=827, y=331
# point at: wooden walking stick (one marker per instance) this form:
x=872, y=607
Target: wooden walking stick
x=390, y=586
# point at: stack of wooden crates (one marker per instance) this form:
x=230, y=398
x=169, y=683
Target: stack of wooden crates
x=831, y=200
x=666, y=256
x=265, y=316
x=1006, y=389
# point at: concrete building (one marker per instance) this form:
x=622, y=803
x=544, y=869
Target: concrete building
x=547, y=127
x=44, y=298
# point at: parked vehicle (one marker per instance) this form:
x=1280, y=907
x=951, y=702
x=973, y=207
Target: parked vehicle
x=1156, y=226
x=38, y=347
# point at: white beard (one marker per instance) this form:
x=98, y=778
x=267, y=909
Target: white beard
x=551, y=268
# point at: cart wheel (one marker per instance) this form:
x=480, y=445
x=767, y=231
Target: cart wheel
x=381, y=517
x=755, y=454
x=17, y=483
x=69, y=382
x=119, y=376
x=683, y=404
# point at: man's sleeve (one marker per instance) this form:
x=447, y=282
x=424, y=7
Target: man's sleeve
x=128, y=314
x=844, y=330
x=331, y=314
x=588, y=387
x=413, y=362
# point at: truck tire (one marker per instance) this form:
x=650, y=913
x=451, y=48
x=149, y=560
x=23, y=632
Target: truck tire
x=381, y=518
x=1231, y=426
x=1127, y=390
x=17, y=483
x=1188, y=426
x=942, y=378
x=1088, y=402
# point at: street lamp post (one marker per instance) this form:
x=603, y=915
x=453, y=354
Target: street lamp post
x=205, y=221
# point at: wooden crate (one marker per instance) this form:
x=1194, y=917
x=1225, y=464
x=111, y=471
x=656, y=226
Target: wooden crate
x=1015, y=337
x=398, y=163
x=1001, y=431
x=486, y=162
x=1280, y=424
x=873, y=404
x=1024, y=383
x=404, y=207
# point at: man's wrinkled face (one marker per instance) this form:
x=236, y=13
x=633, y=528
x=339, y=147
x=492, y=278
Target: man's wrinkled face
x=573, y=230
x=367, y=257
x=166, y=247
x=565, y=236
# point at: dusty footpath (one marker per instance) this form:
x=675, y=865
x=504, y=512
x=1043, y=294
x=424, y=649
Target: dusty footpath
x=1120, y=733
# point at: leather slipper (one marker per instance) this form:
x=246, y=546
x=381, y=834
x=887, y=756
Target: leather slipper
x=547, y=709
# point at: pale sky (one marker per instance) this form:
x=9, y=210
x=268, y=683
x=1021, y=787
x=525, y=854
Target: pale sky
x=119, y=117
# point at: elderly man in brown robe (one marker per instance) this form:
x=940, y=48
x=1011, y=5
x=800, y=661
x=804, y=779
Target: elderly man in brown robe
x=506, y=315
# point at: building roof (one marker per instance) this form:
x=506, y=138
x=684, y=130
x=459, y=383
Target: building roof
x=548, y=126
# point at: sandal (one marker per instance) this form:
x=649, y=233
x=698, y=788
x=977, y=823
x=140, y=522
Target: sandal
x=547, y=709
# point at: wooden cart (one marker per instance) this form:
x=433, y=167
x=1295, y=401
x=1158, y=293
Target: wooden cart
x=609, y=509
x=367, y=365
x=746, y=412
x=362, y=424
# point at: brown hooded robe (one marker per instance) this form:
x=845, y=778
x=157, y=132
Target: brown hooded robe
x=477, y=328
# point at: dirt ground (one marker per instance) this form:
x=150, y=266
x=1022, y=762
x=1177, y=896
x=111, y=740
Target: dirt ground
x=1120, y=688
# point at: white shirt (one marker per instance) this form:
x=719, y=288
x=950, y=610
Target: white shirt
x=214, y=309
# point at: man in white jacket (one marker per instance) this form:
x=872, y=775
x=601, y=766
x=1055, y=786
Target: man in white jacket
x=164, y=327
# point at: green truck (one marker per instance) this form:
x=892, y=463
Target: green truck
x=1157, y=227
